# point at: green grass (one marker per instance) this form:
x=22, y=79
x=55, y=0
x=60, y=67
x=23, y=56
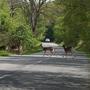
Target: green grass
x=4, y=53
x=85, y=51
x=88, y=54
x=31, y=51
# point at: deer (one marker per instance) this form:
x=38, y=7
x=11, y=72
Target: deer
x=67, y=49
x=50, y=49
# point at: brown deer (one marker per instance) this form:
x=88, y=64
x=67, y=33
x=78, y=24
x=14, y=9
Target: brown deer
x=45, y=49
x=67, y=49
x=50, y=49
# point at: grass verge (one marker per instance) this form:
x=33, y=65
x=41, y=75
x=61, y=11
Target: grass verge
x=4, y=53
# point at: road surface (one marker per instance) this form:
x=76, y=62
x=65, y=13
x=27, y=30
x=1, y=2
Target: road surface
x=38, y=72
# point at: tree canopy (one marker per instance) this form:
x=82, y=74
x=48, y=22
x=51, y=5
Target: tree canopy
x=25, y=23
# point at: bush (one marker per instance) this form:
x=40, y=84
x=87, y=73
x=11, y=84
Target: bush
x=33, y=50
x=4, y=53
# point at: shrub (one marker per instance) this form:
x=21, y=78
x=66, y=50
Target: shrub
x=4, y=53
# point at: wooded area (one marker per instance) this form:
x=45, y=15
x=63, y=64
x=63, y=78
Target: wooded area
x=24, y=24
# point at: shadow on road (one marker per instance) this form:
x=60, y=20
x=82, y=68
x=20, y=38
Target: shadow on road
x=43, y=81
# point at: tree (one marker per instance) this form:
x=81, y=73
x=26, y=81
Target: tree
x=75, y=20
x=32, y=9
x=4, y=23
x=50, y=33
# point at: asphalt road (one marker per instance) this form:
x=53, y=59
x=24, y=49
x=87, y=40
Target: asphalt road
x=38, y=72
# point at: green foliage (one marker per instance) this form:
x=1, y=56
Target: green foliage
x=4, y=53
x=86, y=40
x=71, y=20
x=4, y=23
x=74, y=21
x=15, y=31
x=59, y=30
x=17, y=36
x=75, y=24
x=50, y=33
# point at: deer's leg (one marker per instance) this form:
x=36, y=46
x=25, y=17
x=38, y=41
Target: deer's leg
x=72, y=54
x=52, y=51
x=66, y=53
x=44, y=52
